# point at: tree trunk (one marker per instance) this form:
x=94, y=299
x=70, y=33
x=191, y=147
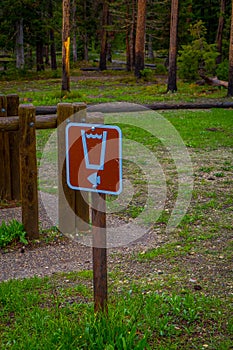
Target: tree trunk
x=150, y=48
x=85, y=37
x=19, y=45
x=130, y=35
x=65, y=46
x=140, y=38
x=28, y=57
x=39, y=56
x=53, y=50
x=230, y=78
x=85, y=46
x=220, y=30
x=133, y=35
x=75, y=56
x=127, y=41
x=128, y=58
x=74, y=28
x=46, y=55
x=171, y=86
x=52, y=40
x=103, y=45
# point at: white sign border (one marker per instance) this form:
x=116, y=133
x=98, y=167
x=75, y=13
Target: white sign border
x=99, y=126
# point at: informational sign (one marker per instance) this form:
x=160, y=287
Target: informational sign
x=94, y=157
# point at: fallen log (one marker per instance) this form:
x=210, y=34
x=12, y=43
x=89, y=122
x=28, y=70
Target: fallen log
x=213, y=81
x=131, y=107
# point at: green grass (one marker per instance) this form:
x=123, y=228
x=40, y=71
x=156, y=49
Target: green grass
x=45, y=89
x=62, y=317
x=10, y=232
x=204, y=129
x=168, y=250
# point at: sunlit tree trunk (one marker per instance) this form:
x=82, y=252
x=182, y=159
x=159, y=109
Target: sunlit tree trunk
x=172, y=86
x=65, y=46
x=140, y=38
x=19, y=45
x=230, y=78
x=220, y=30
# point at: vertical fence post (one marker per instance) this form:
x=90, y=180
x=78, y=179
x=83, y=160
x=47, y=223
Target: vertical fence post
x=28, y=170
x=65, y=194
x=12, y=104
x=78, y=201
x=12, y=110
x=5, y=176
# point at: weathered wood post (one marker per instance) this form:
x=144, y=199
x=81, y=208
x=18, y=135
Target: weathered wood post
x=66, y=215
x=12, y=105
x=12, y=110
x=68, y=221
x=28, y=170
x=5, y=176
x=99, y=251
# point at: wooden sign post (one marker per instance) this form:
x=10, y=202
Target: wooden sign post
x=94, y=164
x=99, y=252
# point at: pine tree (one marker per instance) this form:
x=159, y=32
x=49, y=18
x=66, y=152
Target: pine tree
x=140, y=38
x=171, y=86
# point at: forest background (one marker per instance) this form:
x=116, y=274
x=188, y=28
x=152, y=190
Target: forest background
x=36, y=34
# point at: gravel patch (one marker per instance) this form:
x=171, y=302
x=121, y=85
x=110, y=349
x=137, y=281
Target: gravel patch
x=63, y=255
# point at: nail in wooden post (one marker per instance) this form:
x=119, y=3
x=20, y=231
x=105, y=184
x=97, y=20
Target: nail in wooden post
x=99, y=252
x=28, y=170
x=3, y=106
x=5, y=176
x=66, y=196
x=12, y=110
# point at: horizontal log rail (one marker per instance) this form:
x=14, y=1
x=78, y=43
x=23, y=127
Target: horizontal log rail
x=44, y=110
x=42, y=122
x=46, y=116
x=47, y=110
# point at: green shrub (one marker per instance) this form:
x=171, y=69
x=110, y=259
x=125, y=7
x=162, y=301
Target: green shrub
x=160, y=69
x=147, y=74
x=13, y=231
x=222, y=70
x=199, y=55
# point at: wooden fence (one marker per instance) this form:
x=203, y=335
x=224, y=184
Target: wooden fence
x=18, y=161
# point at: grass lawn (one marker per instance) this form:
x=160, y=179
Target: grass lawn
x=175, y=294
x=108, y=86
